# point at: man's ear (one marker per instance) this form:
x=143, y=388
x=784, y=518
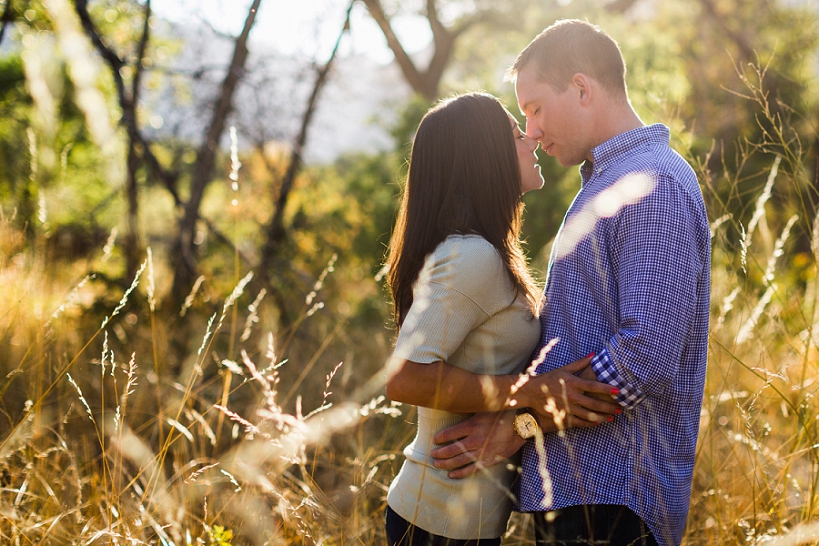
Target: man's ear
x=583, y=86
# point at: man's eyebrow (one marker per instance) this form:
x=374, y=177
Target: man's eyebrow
x=525, y=105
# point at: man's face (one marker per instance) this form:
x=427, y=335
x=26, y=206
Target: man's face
x=553, y=119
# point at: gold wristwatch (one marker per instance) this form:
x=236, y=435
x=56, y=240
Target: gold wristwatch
x=525, y=424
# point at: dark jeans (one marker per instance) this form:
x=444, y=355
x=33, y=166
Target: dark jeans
x=400, y=532
x=592, y=525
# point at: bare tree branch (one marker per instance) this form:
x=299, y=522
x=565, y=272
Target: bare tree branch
x=132, y=246
x=185, y=256
x=426, y=82
x=225, y=240
x=213, y=29
x=275, y=229
x=411, y=72
x=139, y=68
x=745, y=49
x=126, y=102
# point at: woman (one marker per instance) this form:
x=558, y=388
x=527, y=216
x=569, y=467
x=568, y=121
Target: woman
x=465, y=301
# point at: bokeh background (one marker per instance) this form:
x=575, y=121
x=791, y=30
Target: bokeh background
x=195, y=203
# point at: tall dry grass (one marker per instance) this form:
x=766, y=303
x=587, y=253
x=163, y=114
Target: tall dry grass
x=107, y=448
x=757, y=467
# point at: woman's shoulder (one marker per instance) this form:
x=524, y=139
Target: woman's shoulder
x=469, y=248
x=468, y=263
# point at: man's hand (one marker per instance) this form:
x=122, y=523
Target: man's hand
x=482, y=441
x=571, y=396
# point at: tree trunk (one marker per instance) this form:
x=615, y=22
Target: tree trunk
x=185, y=255
x=423, y=82
x=427, y=82
x=276, y=232
x=5, y=18
x=132, y=244
x=133, y=247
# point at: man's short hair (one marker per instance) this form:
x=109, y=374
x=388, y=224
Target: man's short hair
x=571, y=46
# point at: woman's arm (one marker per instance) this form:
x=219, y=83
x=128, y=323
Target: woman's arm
x=442, y=386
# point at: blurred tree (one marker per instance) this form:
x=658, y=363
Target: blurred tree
x=6, y=17
x=446, y=31
x=14, y=111
x=426, y=81
x=128, y=100
x=185, y=268
x=184, y=254
x=275, y=230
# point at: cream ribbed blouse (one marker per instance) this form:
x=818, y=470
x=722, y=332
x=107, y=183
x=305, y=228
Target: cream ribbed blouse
x=465, y=313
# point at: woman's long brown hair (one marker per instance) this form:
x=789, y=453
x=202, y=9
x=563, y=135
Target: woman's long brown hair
x=463, y=177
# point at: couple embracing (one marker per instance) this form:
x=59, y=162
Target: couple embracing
x=579, y=404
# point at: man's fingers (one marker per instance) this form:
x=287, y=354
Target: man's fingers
x=448, y=451
x=465, y=471
x=455, y=432
x=456, y=462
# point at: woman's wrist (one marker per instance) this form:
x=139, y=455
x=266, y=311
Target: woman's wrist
x=526, y=395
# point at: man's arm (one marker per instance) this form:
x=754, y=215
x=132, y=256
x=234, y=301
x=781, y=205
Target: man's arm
x=658, y=264
x=489, y=438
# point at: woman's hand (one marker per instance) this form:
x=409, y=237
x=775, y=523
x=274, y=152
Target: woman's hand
x=570, y=396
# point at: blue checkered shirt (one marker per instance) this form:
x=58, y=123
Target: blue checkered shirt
x=629, y=279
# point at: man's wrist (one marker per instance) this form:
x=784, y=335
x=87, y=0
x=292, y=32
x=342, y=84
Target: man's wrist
x=526, y=423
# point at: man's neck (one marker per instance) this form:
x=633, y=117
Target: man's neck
x=617, y=118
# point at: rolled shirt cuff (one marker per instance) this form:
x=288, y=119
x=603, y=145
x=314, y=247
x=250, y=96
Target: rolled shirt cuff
x=603, y=365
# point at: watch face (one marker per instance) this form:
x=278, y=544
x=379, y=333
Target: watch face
x=525, y=425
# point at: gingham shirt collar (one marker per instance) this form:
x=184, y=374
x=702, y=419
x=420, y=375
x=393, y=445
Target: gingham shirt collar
x=617, y=148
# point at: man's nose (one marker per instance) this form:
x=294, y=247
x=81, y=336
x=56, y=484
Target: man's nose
x=533, y=130
x=531, y=143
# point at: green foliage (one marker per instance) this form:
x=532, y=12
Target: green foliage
x=409, y=117
x=219, y=536
x=14, y=106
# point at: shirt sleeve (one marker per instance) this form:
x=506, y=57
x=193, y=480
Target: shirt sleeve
x=657, y=267
x=460, y=286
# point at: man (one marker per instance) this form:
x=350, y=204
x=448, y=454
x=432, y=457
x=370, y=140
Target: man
x=629, y=281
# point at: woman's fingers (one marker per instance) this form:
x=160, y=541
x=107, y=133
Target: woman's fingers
x=576, y=403
x=577, y=365
x=596, y=387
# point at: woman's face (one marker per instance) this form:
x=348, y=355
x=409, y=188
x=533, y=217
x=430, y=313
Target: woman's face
x=530, y=177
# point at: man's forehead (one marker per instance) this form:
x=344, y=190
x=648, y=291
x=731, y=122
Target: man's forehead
x=526, y=96
x=527, y=89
